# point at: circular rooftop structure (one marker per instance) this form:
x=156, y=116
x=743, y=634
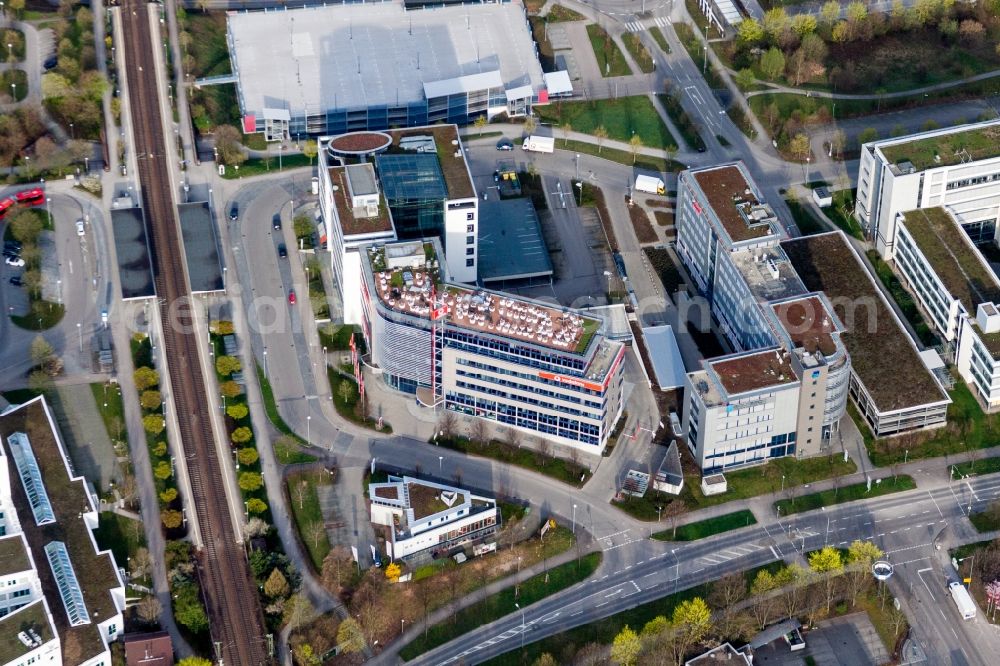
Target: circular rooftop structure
x=882, y=570
x=358, y=143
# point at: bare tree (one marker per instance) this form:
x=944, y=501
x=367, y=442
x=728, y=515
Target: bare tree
x=141, y=563
x=337, y=564
x=479, y=431
x=316, y=532
x=728, y=591
x=447, y=424
x=300, y=491
x=148, y=609
x=673, y=511
x=545, y=448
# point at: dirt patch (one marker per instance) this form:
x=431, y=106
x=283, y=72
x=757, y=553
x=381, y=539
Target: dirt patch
x=664, y=218
x=644, y=231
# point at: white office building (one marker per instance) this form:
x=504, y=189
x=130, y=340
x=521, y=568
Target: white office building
x=957, y=168
x=62, y=598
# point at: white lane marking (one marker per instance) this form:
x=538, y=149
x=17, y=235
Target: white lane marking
x=935, y=503
x=775, y=553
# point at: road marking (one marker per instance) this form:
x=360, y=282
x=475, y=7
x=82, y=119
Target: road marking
x=634, y=26
x=601, y=604
x=697, y=570
x=775, y=553
x=655, y=573
x=579, y=612
x=611, y=594
x=920, y=574
x=935, y=503
x=662, y=22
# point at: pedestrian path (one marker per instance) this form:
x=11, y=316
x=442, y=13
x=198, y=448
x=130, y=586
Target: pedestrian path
x=639, y=26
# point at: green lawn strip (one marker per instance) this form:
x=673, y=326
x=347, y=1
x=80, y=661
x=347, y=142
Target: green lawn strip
x=841, y=213
x=603, y=631
x=903, y=299
x=119, y=534
x=502, y=603
x=113, y=414
x=985, y=521
x=660, y=39
x=709, y=526
x=804, y=218
x=754, y=481
x=621, y=118
x=845, y=494
x=43, y=315
x=566, y=471
x=347, y=404
x=304, y=501
x=289, y=453
x=271, y=407
x=558, y=14
x=17, y=77
x=987, y=466
x=638, y=51
x=256, y=166
x=338, y=337
x=621, y=156
x=672, y=104
x=742, y=121
x=609, y=57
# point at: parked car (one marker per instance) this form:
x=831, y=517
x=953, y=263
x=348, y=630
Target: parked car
x=16, y=262
x=80, y=228
x=282, y=250
x=234, y=212
x=276, y=221
x=50, y=62
x=12, y=245
x=505, y=144
x=16, y=280
x=291, y=297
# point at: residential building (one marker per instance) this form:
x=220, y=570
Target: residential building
x=957, y=168
x=151, y=649
x=371, y=66
x=63, y=598
x=542, y=369
x=428, y=519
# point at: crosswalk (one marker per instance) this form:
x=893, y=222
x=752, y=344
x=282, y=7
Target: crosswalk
x=639, y=26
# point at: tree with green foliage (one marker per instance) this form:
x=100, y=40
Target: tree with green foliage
x=480, y=122
x=545, y=659
x=250, y=481
x=792, y=577
x=194, y=661
x=145, y=378
x=799, y=147
x=302, y=226
x=626, y=647
x=171, y=519
x=163, y=471
x=276, y=585
x=761, y=607
x=750, y=32
x=305, y=655
x=247, y=455
x=346, y=391
x=255, y=505
x=861, y=555
x=828, y=563
x=745, y=78
x=772, y=63
x=153, y=424
x=829, y=13
x=804, y=24
x=168, y=495
x=160, y=449
x=241, y=435
x=350, y=638
x=230, y=389
x=150, y=399
x=635, y=145
x=223, y=327
x=237, y=411
x=775, y=24
x=26, y=226
x=227, y=365
x=188, y=610
x=867, y=135
x=229, y=146
x=298, y=611
x=310, y=150
x=657, y=625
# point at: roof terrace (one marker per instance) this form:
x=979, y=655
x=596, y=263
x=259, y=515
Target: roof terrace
x=808, y=323
x=755, y=371
x=953, y=257
x=945, y=147
x=733, y=200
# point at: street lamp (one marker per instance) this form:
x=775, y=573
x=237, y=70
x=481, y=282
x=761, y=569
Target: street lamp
x=79, y=333
x=265, y=364
x=72, y=132
x=579, y=186
x=309, y=429
x=440, y=464
x=518, y=606
x=574, y=520
x=704, y=67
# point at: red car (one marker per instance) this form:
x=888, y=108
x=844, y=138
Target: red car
x=291, y=297
x=33, y=197
x=5, y=205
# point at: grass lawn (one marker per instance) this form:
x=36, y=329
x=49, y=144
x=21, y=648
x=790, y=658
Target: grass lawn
x=335, y=337
x=985, y=521
x=271, y=407
x=754, y=481
x=122, y=535
x=558, y=13
x=638, y=52
x=988, y=466
x=804, y=218
x=689, y=131
x=304, y=501
x=498, y=605
x=289, y=453
x=845, y=494
x=903, y=298
x=841, y=213
x=621, y=118
x=609, y=57
x=19, y=78
x=622, y=156
x=660, y=39
x=709, y=527
x=43, y=316
x=114, y=413
x=348, y=406
x=257, y=166
x=566, y=471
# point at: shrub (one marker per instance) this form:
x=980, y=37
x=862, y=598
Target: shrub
x=160, y=449
x=250, y=481
x=238, y=411
x=230, y=389
x=168, y=495
x=171, y=519
x=227, y=365
x=255, y=505
x=150, y=399
x=223, y=327
x=247, y=456
x=162, y=470
x=153, y=423
x=145, y=377
x=241, y=435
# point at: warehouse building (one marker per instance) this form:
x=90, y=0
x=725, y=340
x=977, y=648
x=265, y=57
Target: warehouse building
x=372, y=66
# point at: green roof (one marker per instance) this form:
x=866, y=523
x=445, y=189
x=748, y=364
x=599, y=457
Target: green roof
x=952, y=256
x=13, y=556
x=28, y=617
x=978, y=143
x=990, y=340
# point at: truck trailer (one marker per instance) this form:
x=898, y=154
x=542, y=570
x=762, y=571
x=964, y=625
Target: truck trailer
x=963, y=600
x=650, y=185
x=539, y=144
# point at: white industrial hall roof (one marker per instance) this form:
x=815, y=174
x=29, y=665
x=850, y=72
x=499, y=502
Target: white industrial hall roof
x=351, y=56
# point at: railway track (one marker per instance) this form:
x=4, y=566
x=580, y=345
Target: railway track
x=233, y=605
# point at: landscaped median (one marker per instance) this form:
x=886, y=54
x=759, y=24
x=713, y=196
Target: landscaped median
x=857, y=491
x=502, y=603
x=512, y=453
x=708, y=527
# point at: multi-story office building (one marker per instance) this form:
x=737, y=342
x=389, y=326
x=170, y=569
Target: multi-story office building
x=957, y=168
x=958, y=292
x=403, y=185
x=427, y=519
x=542, y=369
x=62, y=598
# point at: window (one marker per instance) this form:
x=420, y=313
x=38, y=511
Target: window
x=470, y=251
x=470, y=228
x=470, y=217
x=470, y=262
x=470, y=240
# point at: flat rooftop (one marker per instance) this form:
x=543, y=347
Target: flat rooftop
x=356, y=222
x=95, y=572
x=450, y=152
x=511, y=245
x=13, y=556
x=727, y=192
x=755, y=371
x=808, y=324
x=31, y=617
x=883, y=356
x=768, y=273
x=201, y=247
x=945, y=147
x=362, y=55
x=953, y=257
x=135, y=268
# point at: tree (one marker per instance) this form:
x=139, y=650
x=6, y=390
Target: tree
x=480, y=122
x=530, y=124
x=237, y=411
x=601, y=135
x=310, y=150
x=657, y=625
x=479, y=431
x=168, y=495
x=276, y=585
x=247, y=455
x=393, y=572
x=672, y=512
x=775, y=24
x=230, y=389
x=626, y=647
x=188, y=610
x=635, y=145
x=223, y=327
x=255, y=505
x=160, y=449
x=350, y=637
x=316, y=533
x=298, y=611
x=256, y=527
x=545, y=659
x=305, y=655
x=337, y=564
x=750, y=32
x=194, y=661
x=163, y=470
x=861, y=555
x=791, y=577
x=26, y=226
x=827, y=561
x=241, y=435
x=691, y=619
x=145, y=377
x=745, y=78
x=803, y=24
x=16, y=6
x=148, y=609
x=447, y=424
x=567, y=129
x=141, y=563
x=867, y=135
x=171, y=519
x=857, y=13
x=799, y=147
x=250, y=481
x=39, y=381
x=728, y=591
x=829, y=13
x=229, y=146
x=772, y=63
x=150, y=399
x=762, y=584
x=41, y=350
x=153, y=424
x=227, y=365
x=838, y=142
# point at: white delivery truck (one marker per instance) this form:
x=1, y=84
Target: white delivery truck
x=539, y=144
x=650, y=185
x=960, y=595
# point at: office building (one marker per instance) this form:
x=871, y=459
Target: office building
x=427, y=519
x=957, y=168
x=542, y=369
x=371, y=66
x=62, y=598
